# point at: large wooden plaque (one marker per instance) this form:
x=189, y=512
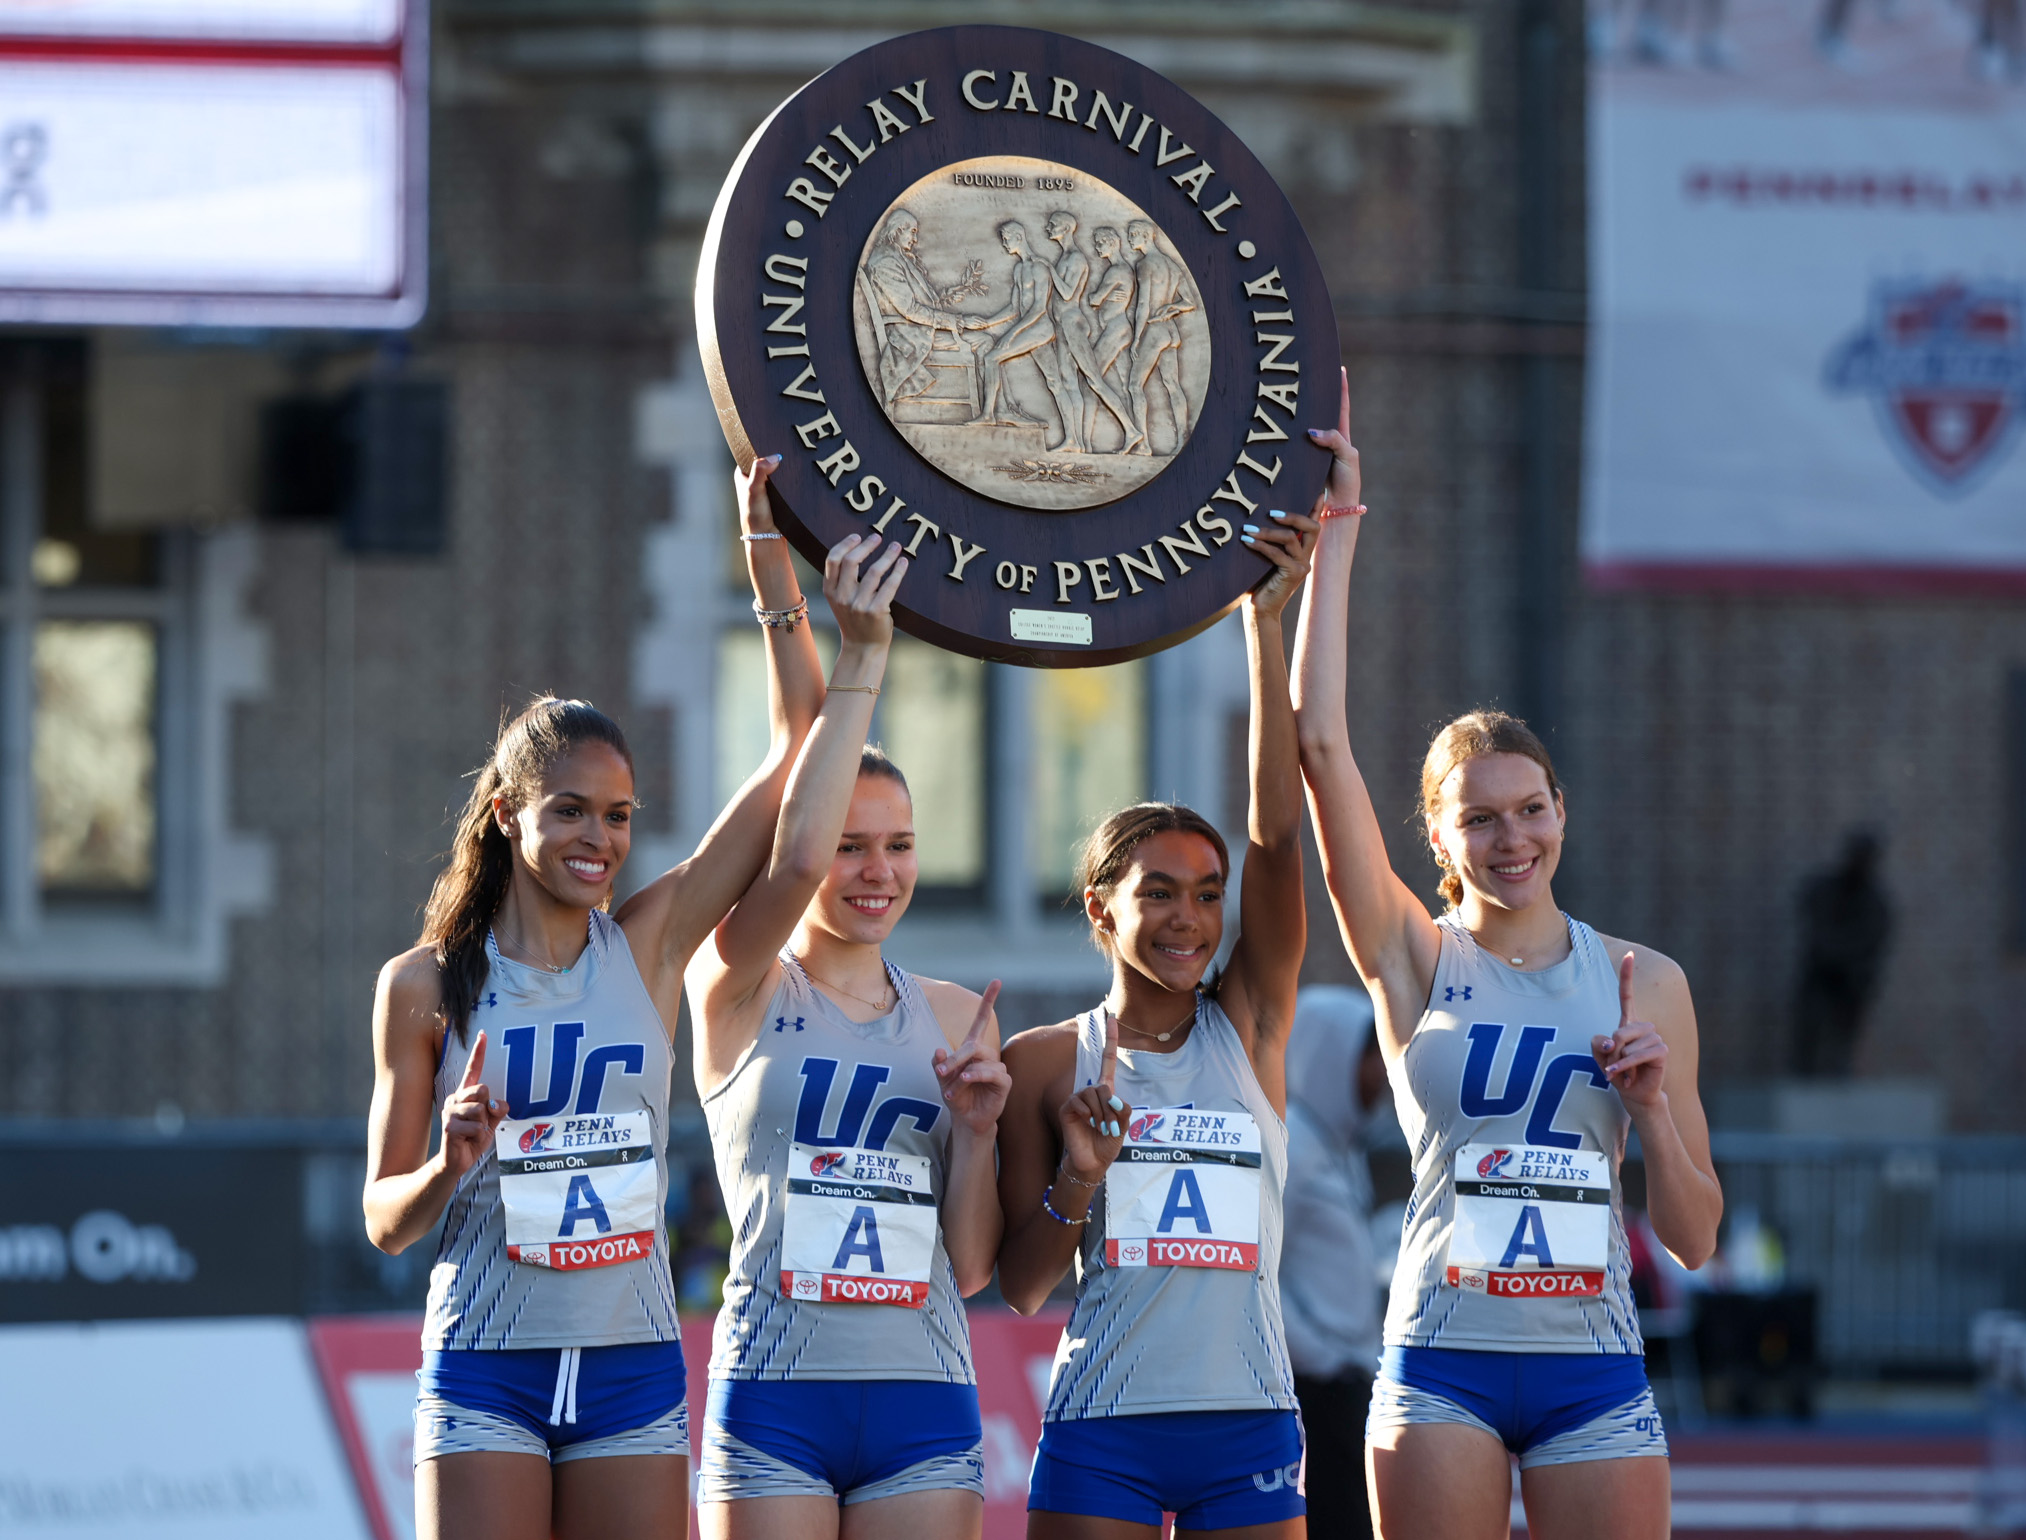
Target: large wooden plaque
x=1025, y=306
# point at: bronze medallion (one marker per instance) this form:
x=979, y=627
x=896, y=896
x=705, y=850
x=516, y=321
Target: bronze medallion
x=1027, y=307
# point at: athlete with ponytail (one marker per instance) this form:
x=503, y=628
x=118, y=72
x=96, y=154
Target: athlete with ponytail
x=852, y=1111
x=1519, y=1056
x=1145, y=1143
x=536, y=1028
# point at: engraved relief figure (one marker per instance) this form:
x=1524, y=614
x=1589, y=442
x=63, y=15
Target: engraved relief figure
x=1030, y=322
x=1075, y=332
x=910, y=312
x=1157, y=343
x=1111, y=296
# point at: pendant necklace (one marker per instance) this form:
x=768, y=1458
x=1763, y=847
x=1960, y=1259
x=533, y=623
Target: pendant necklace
x=1159, y=1037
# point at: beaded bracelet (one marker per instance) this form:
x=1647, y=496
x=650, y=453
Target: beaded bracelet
x=1046, y=1193
x=1332, y=511
x=781, y=620
x=765, y=534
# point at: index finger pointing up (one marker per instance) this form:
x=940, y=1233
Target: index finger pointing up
x=1108, y=1066
x=1625, y=988
x=984, y=1015
x=474, y=1070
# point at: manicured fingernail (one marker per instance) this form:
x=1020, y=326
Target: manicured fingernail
x=492, y=1106
x=1091, y=1121
x=1250, y=529
x=1112, y=1129
x=1277, y=513
x=1116, y=1105
x=773, y=459
x=1247, y=539
x=1315, y=432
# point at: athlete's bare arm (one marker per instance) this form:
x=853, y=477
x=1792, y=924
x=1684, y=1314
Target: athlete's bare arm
x=667, y=920
x=1387, y=930
x=406, y=1188
x=1259, y=985
x=1652, y=1060
x=975, y=1084
x=733, y=972
x=1052, y=1133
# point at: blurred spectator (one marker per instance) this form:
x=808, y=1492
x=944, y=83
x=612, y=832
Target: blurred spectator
x=701, y=1244
x=1329, y=1297
x=1846, y=926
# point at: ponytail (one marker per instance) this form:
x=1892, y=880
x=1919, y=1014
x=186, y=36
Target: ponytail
x=470, y=890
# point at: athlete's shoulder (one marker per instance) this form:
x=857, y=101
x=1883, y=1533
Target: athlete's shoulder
x=1042, y=1050
x=955, y=1006
x=1649, y=964
x=412, y=988
x=410, y=973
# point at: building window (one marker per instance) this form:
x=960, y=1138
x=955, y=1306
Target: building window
x=94, y=755
x=1089, y=736
x=116, y=859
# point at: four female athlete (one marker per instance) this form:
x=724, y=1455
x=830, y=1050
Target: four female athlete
x=1518, y=1055
x=1144, y=1141
x=536, y=1028
x=852, y=1111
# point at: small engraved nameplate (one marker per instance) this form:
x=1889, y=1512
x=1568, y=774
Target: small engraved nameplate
x=1051, y=626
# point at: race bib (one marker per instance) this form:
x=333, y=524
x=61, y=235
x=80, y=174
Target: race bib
x=859, y=1227
x=1530, y=1223
x=1184, y=1191
x=579, y=1191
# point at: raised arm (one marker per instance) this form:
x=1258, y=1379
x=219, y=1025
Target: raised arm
x=666, y=920
x=739, y=956
x=1385, y=928
x=1259, y=986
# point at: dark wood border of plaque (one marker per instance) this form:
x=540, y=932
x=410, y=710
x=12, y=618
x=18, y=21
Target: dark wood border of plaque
x=1269, y=314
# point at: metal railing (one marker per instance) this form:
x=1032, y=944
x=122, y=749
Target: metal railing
x=1904, y=1241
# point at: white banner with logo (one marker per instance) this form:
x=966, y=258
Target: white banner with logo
x=1808, y=279
x=133, y=1430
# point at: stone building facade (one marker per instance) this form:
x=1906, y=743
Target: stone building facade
x=1716, y=746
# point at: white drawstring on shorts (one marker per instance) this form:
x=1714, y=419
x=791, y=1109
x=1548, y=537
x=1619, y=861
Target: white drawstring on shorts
x=564, y=1408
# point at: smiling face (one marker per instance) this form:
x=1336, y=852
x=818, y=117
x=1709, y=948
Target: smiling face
x=872, y=876
x=572, y=836
x=1500, y=828
x=1165, y=917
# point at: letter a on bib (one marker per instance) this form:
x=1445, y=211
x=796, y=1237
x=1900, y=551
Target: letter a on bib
x=580, y=1204
x=1529, y=1239
x=1185, y=1201
x=861, y=1239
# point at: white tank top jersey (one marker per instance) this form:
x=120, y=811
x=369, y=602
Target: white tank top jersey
x=1178, y=1271
x=1514, y=1239
x=832, y=1146
x=556, y=1237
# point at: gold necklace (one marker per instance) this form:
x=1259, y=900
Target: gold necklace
x=528, y=952
x=878, y=1005
x=1159, y=1037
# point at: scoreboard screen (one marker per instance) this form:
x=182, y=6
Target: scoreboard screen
x=213, y=162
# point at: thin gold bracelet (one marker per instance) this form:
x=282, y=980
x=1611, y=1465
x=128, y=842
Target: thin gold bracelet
x=860, y=689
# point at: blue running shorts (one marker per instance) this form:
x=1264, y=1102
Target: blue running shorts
x=1212, y=1470
x=558, y=1403
x=1547, y=1408
x=849, y=1440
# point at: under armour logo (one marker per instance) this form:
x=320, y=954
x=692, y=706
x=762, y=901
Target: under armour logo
x=492, y=999
x=1453, y=992
x=781, y=1023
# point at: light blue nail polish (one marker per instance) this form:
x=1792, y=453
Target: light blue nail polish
x=1247, y=539
x=1112, y=1129
x=1117, y=1105
x=1091, y=1121
x=1250, y=529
